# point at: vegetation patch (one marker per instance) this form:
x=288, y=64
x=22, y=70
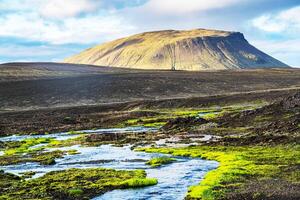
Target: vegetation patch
x=28, y=174
x=66, y=143
x=159, y=161
x=44, y=158
x=238, y=166
x=25, y=146
x=29, y=150
x=71, y=184
x=32, y=150
x=164, y=116
x=73, y=152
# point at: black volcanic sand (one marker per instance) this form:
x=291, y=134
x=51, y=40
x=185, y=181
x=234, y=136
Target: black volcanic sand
x=33, y=71
x=61, y=85
x=110, y=115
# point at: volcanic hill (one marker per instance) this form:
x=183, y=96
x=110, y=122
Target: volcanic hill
x=192, y=50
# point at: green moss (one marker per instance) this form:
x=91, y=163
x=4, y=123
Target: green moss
x=157, y=121
x=212, y=115
x=155, y=124
x=73, y=152
x=28, y=174
x=44, y=158
x=71, y=184
x=75, y=192
x=75, y=133
x=188, y=112
x=262, y=118
x=7, y=181
x=165, y=115
x=138, y=182
x=66, y=143
x=49, y=161
x=237, y=166
x=157, y=162
x=24, y=151
x=24, y=146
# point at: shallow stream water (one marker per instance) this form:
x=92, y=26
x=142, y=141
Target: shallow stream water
x=68, y=135
x=173, y=179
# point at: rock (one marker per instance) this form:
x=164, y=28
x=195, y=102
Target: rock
x=50, y=161
x=183, y=123
x=104, y=137
x=291, y=101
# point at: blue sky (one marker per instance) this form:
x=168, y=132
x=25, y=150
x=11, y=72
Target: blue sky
x=50, y=30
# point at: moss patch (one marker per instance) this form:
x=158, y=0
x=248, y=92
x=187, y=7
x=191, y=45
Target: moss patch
x=32, y=150
x=44, y=158
x=237, y=166
x=165, y=115
x=71, y=184
x=159, y=161
x=25, y=146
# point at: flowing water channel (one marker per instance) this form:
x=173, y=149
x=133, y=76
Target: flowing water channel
x=173, y=179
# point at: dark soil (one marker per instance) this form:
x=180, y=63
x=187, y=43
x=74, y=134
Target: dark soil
x=271, y=189
x=109, y=115
x=279, y=117
x=183, y=123
x=75, y=85
x=291, y=102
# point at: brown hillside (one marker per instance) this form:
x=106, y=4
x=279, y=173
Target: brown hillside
x=192, y=50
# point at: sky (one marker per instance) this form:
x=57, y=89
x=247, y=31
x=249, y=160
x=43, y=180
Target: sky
x=51, y=30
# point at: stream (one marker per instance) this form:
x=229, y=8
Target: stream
x=173, y=179
x=67, y=135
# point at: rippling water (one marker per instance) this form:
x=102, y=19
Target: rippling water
x=173, y=179
x=67, y=135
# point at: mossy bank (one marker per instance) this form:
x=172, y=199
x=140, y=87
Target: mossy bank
x=71, y=184
x=248, y=172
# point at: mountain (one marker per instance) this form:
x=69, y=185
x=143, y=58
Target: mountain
x=193, y=50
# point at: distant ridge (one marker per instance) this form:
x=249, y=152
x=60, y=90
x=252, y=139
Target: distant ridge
x=192, y=50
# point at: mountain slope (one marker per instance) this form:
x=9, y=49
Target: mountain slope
x=198, y=49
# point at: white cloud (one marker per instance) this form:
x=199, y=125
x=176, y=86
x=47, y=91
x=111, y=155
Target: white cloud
x=59, y=21
x=267, y=23
x=287, y=24
x=67, y=8
x=84, y=30
x=287, y=51
x=285, y=21
x=18, y=5
x=187, y=6
x=57, y=9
